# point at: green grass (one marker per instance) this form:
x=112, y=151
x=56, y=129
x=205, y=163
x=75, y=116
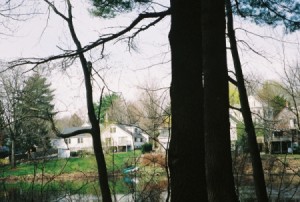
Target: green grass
x=118, y=161
x=82, y=164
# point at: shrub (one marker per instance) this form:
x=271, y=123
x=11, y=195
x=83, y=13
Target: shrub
x=153, y=159
x=73, y=153
x=296, y=150
x=146, y=148
x=4, y=161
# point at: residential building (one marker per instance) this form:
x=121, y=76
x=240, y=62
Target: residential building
x=122, y=138
x=163, y=139
x=285, y=135
x=82, y=142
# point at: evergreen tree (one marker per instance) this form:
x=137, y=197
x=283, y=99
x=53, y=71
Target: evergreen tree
x=106, y=103
x=274, y=13
x=110, y=8
x=34, y=110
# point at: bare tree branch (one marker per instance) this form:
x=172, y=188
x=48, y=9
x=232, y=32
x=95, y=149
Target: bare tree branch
x=101, y=41
x=75, y=132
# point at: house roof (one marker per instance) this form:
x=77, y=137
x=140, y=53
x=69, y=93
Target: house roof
x=72, y=129
x=125, y=129
x=234, y=118
x=283, y=118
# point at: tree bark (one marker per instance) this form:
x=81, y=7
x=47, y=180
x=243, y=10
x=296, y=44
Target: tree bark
x=219, y=175
x=186, y=152
x=258, y=174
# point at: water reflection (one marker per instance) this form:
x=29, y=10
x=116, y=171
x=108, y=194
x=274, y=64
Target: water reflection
x=16, y=194
x=126, y=189
x=291, y=194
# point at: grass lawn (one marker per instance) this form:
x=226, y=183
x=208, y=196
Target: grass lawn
x=85, y=164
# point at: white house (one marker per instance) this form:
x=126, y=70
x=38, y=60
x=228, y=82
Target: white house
x=123, y=138
x=82, y=142
x=164, y=139
x=257, y=109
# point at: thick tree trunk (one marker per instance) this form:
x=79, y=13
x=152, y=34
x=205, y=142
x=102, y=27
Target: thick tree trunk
x=258, y=174
x=186, y=152
x=219, y=175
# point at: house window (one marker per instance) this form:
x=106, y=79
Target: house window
x=80, y=140
x=113, y=130
x=137, y=139
x=68, y=141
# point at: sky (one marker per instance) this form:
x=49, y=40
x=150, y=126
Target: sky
x=126, y=72
x=123, y=71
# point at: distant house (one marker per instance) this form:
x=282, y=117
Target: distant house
x=285, y=134
x=261, y=113
x=121, y=138
x=82, y=142
x=164, y=139
x=233, y=130
x=259, y=109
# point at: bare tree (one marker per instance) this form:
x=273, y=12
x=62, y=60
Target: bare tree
x=14, y=12
x=11, y=85
x=152, y=103
x=291, y=86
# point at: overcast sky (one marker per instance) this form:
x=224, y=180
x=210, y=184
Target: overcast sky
x=123, y=71
x=126, y=71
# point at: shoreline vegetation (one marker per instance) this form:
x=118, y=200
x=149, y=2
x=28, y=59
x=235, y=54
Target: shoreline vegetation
x=84, y=167
x=81, y=164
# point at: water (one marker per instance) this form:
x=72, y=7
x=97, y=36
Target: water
x=125, y=189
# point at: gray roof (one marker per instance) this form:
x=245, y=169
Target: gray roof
x=123, y=127
x=72, y=129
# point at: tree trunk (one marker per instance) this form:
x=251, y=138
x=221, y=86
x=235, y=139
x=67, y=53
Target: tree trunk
x=258, y=174
x=12, y=155
x=101, y=164
x=219, y=175
x=102, y=171
x=186, y=152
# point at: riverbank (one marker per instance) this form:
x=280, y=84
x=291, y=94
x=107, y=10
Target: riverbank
x=272, y=164
x=71, y=167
